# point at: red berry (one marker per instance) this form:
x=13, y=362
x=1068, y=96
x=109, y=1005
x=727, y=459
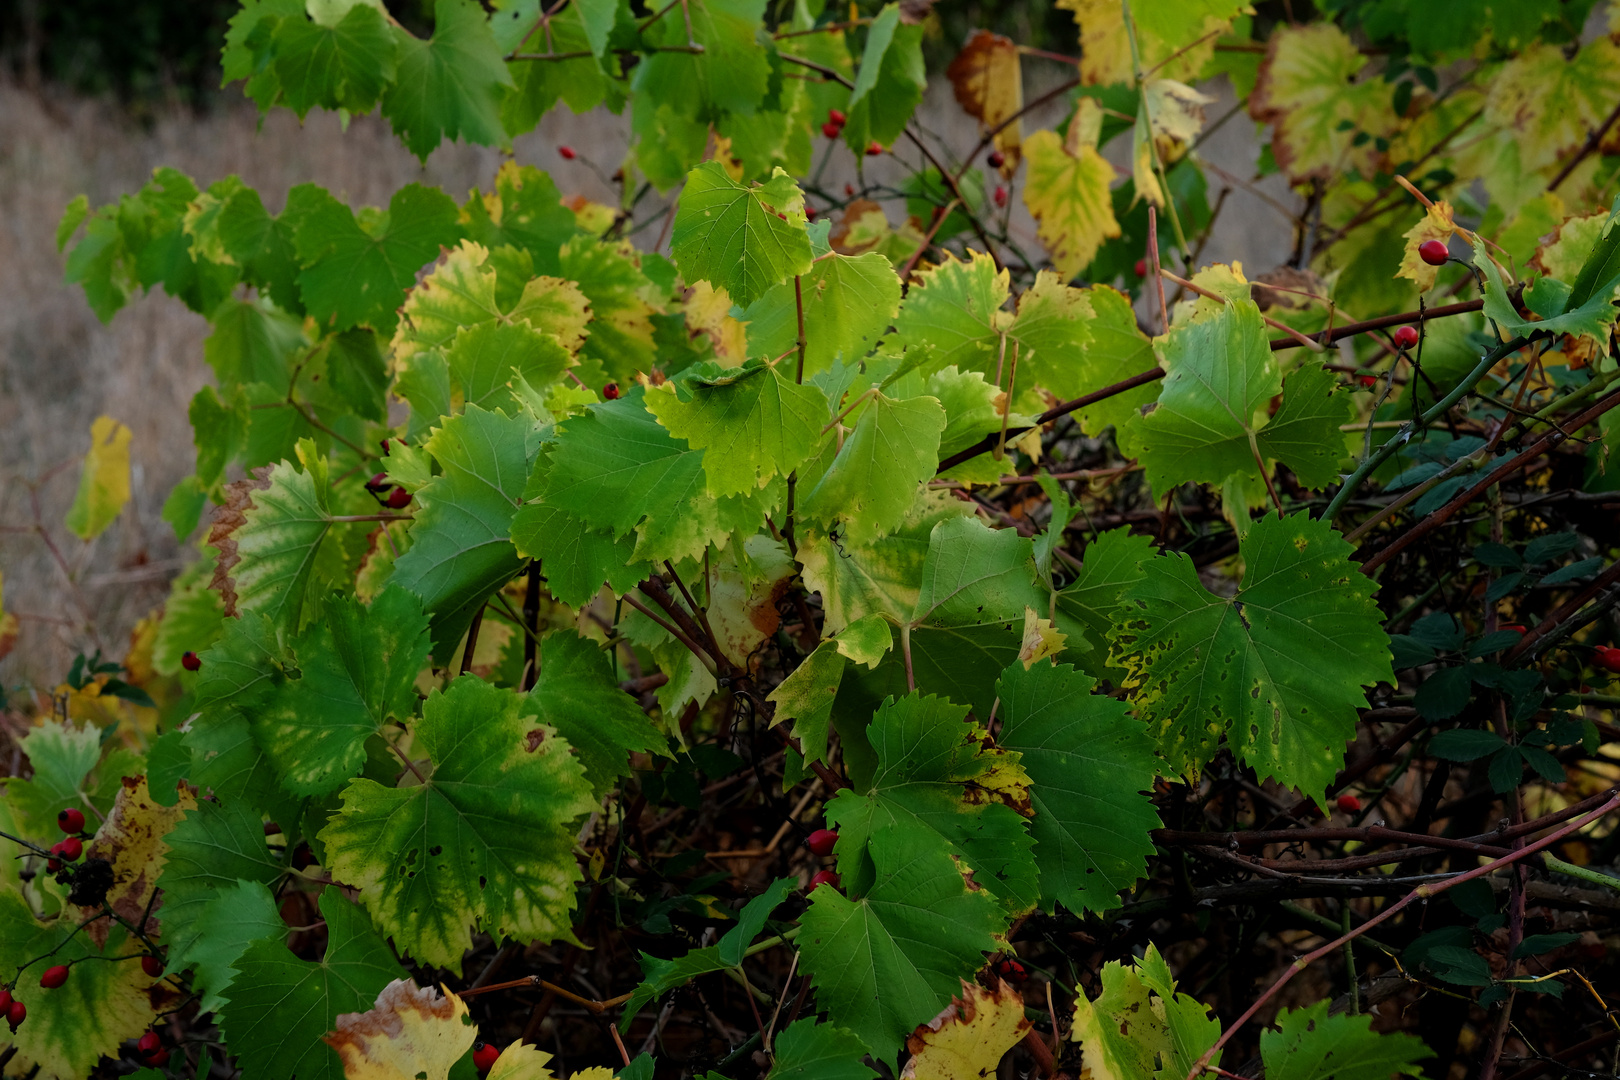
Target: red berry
x=1607, y=658
x=152, y=965
x=484, y=1056
x=810, y=213
x=1367, y=380
x=54, y=977
x=567, y=152
x=611, y=391
x=16, y=1014
x=70, y=820
x=1434, y=252
x=836, y=116
x=157, y=1060
x=823, y=877
x=1348, y=803
x=71, y=849
x=873, y=148
x=378, y=482
x=1141, y=268
x=190, y=661
x=148, y=1043
x=398, y=499
x=996, y=159
x=53, y=865
x=1000, y=196
x=830, y=129
x=1406, y=337
x=5, y=1001
x=1515, y=627
x=1011, y=970
x=822, y=841
x=849, y=191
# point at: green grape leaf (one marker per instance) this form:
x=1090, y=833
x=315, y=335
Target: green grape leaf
x=1592, y=317
x=461, y=550
x=807, y=695
x=357, y=667
x=214, y=847
x=281, y=1005
x=71, y=1028
x=251, y=343
x=192, y=618
x=848, y=302
x=1279, y=668
x=1053, y=330
x=729, y=234
x=1139, y=1026
x=344, y=66
x=617, y=469
x=576, y=558
x=68, y=771
x=219, y=432
x=1211, y=423
x=580, y=81
x=1089, y=762
x=523, y=210
x=1112, y=564
x=731, y=74
x=954, y=309
x=248, y=47
x=975, y=575
x=227, y=920
x=889, y=83
x=485, y=841
x=621, y=329
x=752, y=423
x=887, y=961
x=356, y=274
x=1118, y=350
x=937, y=782
x=806, y=1050
x=1311, y=1044
x=867, y=486
x=450, y=86
x=578, y=696
x=490, y=362
x=249, y=237
x=268, y=534
x=97, y=265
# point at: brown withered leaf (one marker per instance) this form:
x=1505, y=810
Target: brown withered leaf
x=411, y=1034
x=1289, y=286
x=913, y=12
x=131, y=839
x=989, y=85
x=229, y=517
x=967, y=1040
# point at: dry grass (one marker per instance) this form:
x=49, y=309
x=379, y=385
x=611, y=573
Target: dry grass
x=60, y=368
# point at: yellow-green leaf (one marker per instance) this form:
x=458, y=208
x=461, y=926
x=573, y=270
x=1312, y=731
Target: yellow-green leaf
x=104, y=483
x=1067, y=193
x=411, y=1034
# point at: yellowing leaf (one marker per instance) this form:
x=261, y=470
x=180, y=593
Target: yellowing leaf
x=1437, y=224
x=411, y=1034
x=968, y=1039
x=1551, y=102
x=1175, y=38
x=520, y=1061
x=104, y=483
x=1067, y=194
x=990, y=86
x=131, y=839
x=1171, y=116
x=1563, y=255
x=1041, y=639
x=1307, y=90
x=8, y=623
x=708, y=311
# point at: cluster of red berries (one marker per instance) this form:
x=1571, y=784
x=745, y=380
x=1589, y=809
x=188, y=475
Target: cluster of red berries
x=821, y=843
x=1010, y=969
x=1606, y=657
x=149, y=1048
x=13, y=1010
x=835, y=123
x=386, y=492
x=70, y=821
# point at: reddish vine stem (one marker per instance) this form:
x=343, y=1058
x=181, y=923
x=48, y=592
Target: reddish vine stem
x=1328, y=337
x=1507, y=468
x=1563, y=611
x=989, y=442
x=1422, y=892
x=673, y=631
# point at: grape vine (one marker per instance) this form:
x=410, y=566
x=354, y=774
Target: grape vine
x=941, y=625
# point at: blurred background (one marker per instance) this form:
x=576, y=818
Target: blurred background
x=94, y=94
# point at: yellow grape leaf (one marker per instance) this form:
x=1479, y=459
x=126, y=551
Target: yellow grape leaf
x=1066, y=192
x=990, y=87
x=1437, y=224
x=1307, y=91
x=1041, y=639
x=131, y=839
x=1170, y=116
x=1222, y=279
x=520, y=1061
x=1563, y=255
x=968, y=1039
x=1550, y=102
x=1176, y=38
x=411, y=1034
x=104, y=483
x=8, y=623
x=708, y=311
x=593, y=218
